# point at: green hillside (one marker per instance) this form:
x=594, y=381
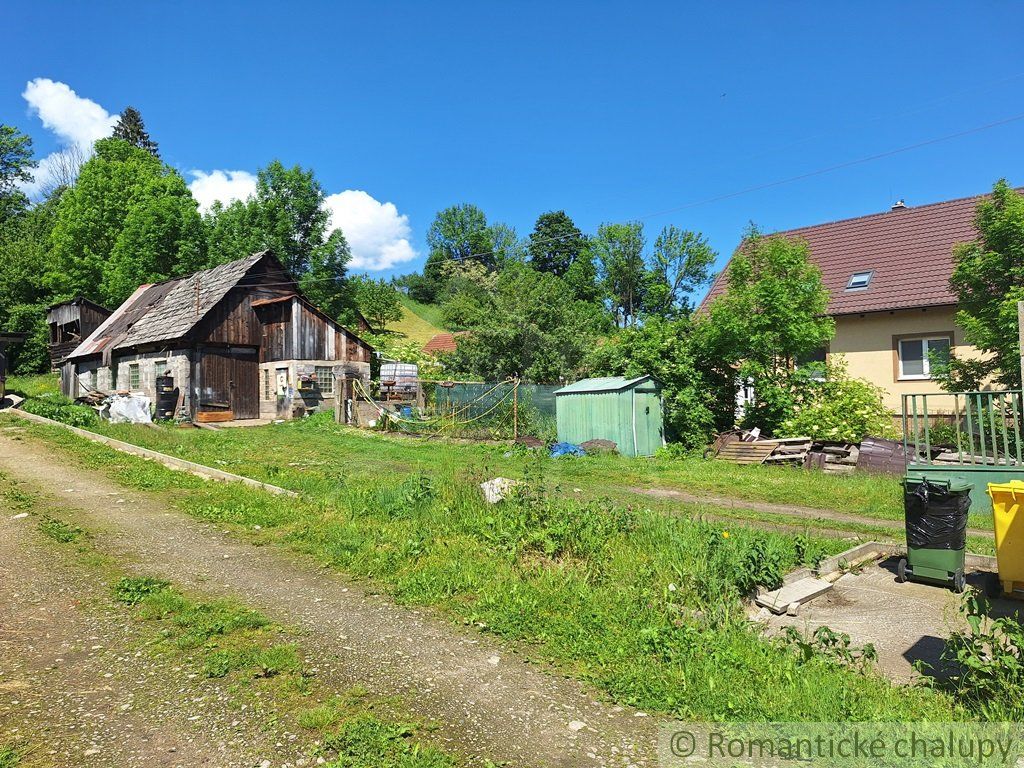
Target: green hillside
x=419, y=323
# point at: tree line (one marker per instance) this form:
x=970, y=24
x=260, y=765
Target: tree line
x=123, y=217
x=560, y=304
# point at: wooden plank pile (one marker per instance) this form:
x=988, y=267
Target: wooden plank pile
x=748, y=447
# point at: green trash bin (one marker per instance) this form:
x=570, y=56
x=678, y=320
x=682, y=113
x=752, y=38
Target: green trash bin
x=936, y=521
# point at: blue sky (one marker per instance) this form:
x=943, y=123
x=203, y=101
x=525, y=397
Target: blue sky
x=609, y=111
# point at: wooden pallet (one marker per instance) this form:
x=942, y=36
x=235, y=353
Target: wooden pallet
x=747, y=453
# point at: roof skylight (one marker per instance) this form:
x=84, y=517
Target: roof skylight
x=859, y=280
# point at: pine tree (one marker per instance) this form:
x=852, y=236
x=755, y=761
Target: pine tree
x=130, y=128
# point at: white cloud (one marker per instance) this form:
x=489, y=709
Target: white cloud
x=76, y=121
x=225, y=186
x=377, y=233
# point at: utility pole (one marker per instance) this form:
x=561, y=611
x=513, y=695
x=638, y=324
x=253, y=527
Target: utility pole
x=1020, y=332
x=515, y=408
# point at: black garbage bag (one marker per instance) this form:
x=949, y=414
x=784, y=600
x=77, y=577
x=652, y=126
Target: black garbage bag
x=936, y=516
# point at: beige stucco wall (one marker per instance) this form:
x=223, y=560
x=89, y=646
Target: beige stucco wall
x=866, y=343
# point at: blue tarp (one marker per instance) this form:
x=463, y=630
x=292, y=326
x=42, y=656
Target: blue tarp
x=566, y=449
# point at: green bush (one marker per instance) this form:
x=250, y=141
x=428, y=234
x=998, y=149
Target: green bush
x=61, y=409
x=987, y=660
x=837, y=407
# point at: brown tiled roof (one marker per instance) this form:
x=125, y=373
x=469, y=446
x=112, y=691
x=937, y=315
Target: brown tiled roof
x=909, y=250
x=442, y=342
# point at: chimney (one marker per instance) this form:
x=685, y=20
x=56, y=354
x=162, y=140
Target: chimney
x=899, y=205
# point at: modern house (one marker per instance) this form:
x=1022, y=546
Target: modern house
x=240, y=340
x=70, y=322
x=888, y=279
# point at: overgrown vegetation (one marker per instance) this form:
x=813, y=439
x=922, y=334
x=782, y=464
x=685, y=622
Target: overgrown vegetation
x=986, y=662
x=834, y=406
x=643, y=605
x=61, y=409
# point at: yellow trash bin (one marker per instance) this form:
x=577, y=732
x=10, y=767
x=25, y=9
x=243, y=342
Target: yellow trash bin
x=1007, y=502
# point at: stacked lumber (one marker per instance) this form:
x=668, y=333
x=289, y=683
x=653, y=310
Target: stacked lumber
x=741, y=447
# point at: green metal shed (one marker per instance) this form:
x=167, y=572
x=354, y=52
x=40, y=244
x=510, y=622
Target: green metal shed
x=625, y=411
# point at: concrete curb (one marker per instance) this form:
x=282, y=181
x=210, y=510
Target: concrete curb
x=171, y=462
x=872, y=549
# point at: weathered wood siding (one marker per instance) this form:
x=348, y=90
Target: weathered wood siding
x=294, y=331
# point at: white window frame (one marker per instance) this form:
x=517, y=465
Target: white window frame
x=867, y=280
x=925, y=357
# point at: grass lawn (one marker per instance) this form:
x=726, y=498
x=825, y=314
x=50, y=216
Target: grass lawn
x=644, y=605
x=419, y=323
x=311, y=456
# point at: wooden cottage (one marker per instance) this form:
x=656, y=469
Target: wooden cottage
x=240, y=341
x=70, y=322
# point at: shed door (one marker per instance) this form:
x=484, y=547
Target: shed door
x=647, y=421
x=230, y=381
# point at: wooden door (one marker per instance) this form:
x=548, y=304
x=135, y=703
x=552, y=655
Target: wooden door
x=229, y=382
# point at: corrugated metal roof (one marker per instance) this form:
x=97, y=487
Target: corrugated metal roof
x=908, y=250
x=601, y=384
x=165, y=311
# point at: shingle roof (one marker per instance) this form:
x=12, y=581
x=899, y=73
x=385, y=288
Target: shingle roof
x=601, y=384
x=165, y=311
x=442, y=342
x=909, y=250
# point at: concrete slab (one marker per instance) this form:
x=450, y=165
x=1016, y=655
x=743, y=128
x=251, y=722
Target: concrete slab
x=789, y=597
x=905, y=622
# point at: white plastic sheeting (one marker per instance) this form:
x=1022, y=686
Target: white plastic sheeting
x=128, y=409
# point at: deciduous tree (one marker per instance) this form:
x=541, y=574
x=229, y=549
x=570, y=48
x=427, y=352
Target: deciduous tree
x=619, y=253
x=16, y=164
x=771, y=314
x=988, y=278
x=378, y=301
x=681, y=263
x=129, y=219
x=555, y=243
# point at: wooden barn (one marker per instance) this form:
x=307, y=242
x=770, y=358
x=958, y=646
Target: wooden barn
x=240, y=341
x=70, y=322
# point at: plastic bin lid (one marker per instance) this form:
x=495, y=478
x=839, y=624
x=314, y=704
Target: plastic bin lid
x=954, y=484
x=1010, y=487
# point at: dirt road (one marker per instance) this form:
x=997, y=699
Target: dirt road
x=488, y=701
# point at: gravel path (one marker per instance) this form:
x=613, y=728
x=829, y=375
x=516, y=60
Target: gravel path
x=76, y=689
x=488, y=701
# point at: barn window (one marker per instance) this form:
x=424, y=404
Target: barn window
x=159, y=367
x=325, y=379
x=268, y=393
x=133, y=376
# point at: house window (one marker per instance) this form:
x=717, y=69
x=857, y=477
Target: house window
x=814, y=362
x=325, y=379
x=159, y=367
x=917, y=355
x=859, y=280
x=133, y=377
